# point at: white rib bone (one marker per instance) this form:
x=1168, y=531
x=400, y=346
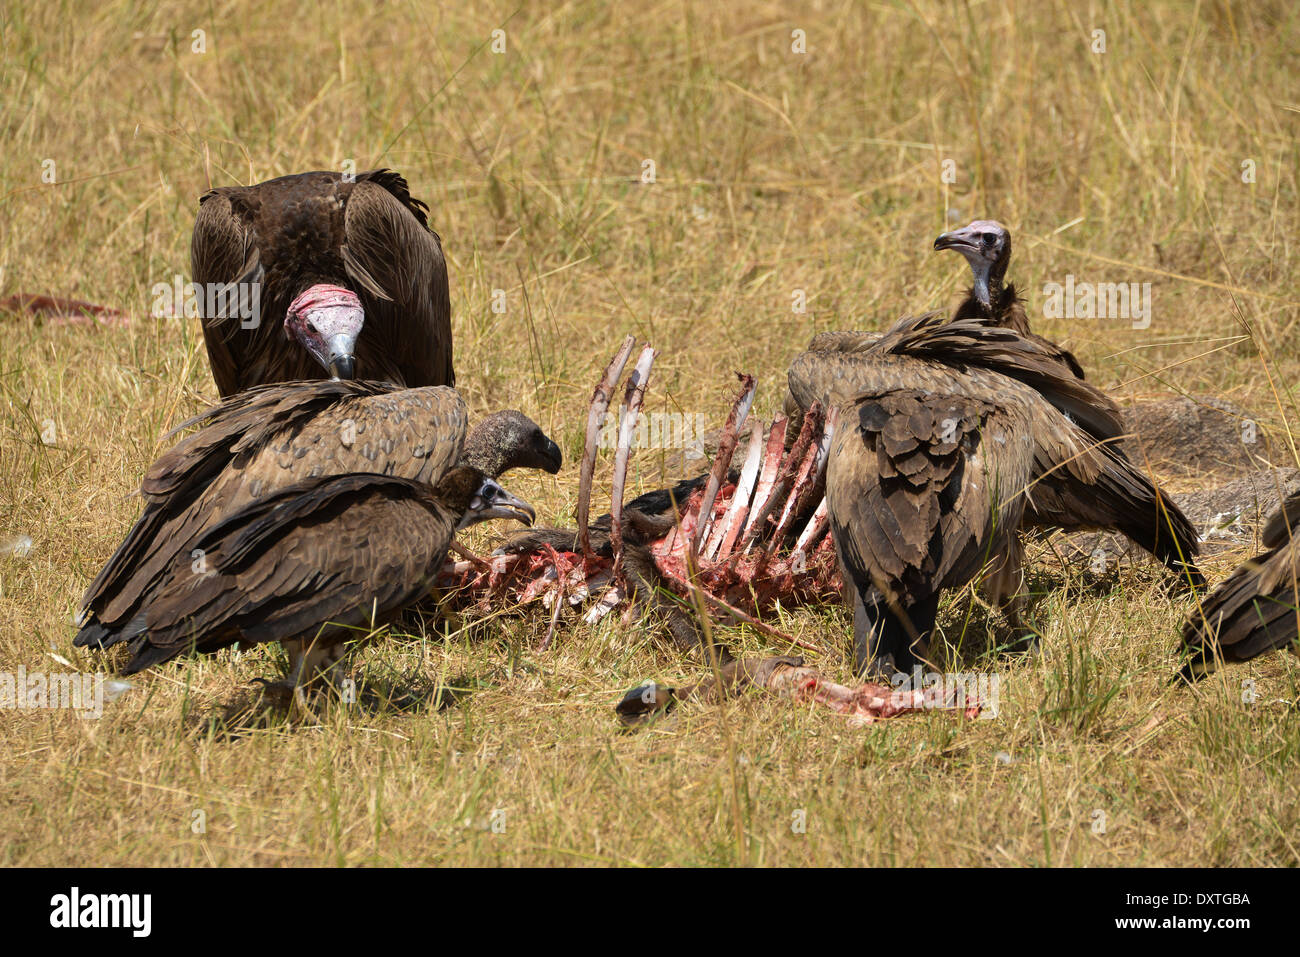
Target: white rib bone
x=595, y=421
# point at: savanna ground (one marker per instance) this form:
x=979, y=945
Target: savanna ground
x=775, y=171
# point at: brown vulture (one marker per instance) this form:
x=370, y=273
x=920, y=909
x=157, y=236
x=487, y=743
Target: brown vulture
x=1254, y=610
x=954, y=433
x=346, y=267
x=350, y=489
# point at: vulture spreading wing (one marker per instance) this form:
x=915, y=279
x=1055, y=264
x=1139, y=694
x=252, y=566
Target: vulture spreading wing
x=352, y=263
x=1104, y=492
x=987, y=248
x=285, y=440
x=1256, y=609
x=986, y=245
x=955, y=434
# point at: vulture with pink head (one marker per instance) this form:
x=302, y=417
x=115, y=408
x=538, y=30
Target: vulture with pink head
x=349, y=280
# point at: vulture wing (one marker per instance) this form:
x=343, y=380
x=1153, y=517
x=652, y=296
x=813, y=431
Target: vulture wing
x=1254, y=610
x=1010, y=314
x=1031, y=360
x=924, y=486
x=1281, y=524
x=347, y=550
x=261, y=441
x=916, y=488
x=222, y=251
x=397, y=264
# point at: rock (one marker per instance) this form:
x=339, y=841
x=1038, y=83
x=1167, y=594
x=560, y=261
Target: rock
x=1194, y=437
x=1227, y=516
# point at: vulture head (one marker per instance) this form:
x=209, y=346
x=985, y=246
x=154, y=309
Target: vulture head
x=476, y=497
x=987, y=247
x=509, y=440
x=326, y=320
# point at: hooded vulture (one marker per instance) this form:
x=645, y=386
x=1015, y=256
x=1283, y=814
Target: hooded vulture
x=294, y=501
x=350, y=282
x=986, y=245
x=954, y=433
x=1254, y=610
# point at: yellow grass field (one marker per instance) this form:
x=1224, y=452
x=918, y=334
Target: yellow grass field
x=1169, y=158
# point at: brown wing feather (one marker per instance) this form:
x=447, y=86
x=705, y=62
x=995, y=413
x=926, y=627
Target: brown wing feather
x=263, y=441
x=915, y=488
x=221, y=251
x=1252, y=612
x=389, y=247
x=336, y=552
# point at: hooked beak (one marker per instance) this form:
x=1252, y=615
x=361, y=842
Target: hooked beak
x=959, y=239
x=340, y=360
x=551, y=458
x=492, y=501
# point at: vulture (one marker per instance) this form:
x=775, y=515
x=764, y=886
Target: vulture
x=987, y=247
x=953, y=433
x=351, y=282
x=1254, y=610
x=298, y=504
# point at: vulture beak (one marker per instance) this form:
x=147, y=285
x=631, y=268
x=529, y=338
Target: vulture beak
x=551, y=458
x=342, y=364
x=962, y=239
x=492, y=501
x=327, y=320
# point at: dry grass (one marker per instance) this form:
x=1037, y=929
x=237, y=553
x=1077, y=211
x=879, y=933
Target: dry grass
x=775, y=172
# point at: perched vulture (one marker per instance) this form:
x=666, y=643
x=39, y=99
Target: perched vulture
x=1254, y=610
x=954, y=433
x=267, y=460
x=348, y=269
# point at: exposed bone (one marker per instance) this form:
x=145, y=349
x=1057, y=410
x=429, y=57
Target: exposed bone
x=865, y=704
x=722, y=459
x=792, y=462
x=804, y=480
x=595, y=420
x=815, y=491
x=789, y=677
x=560, y=571
x=555, y=618
x=496, y=564
x=608, y=602
x=632, y=401
x=772, y=457
x=582, y=590
x=815, y=528
x=725, y=534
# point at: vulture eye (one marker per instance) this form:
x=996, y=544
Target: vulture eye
x=311, y=327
